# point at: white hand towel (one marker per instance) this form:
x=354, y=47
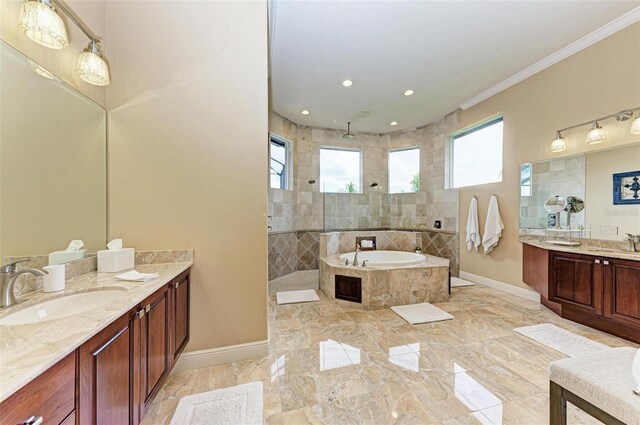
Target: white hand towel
x=473, y=232
x=134, y=276
x=493, y=226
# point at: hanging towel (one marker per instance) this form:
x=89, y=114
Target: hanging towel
x=473, y=232
x=493, y=226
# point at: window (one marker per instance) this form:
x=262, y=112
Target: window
x=340, y=170
x=404, y=170
x=279, y=163
x=525, y=180
x=477, y=155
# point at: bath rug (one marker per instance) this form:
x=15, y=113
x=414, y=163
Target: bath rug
x=421, y=313
x=456, y=282
x=237, y=405
x=292, y=297
x=561, y=340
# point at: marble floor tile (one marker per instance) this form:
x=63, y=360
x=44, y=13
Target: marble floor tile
x=331, y=364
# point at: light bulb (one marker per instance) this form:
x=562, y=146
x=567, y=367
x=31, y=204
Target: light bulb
x=635, y=125
x=91, y=67
x=559, y=144
x=596, y=135
x=42, y=24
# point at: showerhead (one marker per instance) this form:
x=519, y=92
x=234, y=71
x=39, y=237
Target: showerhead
x=348, y=135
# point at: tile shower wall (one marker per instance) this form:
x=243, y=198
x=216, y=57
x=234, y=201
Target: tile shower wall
x=305, y=208
x=291, y=251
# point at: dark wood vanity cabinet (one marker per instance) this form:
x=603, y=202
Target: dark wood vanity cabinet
x=597, y=291
x=113, y=377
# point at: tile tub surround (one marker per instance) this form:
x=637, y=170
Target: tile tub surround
x=387, y=286
x=418, y=372
x=29, y=350
x=437, y=243
x=292, y=251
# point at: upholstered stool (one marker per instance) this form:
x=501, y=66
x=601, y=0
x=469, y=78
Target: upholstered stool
x=599, y=383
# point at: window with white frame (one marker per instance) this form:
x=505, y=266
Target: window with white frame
x=340, y=170
x=477, y=155
x=278, y=163
x=404, y=170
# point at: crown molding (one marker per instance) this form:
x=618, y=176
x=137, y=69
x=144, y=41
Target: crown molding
x=604, y=31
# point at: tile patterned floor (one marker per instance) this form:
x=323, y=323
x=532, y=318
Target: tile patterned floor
x=330, y=364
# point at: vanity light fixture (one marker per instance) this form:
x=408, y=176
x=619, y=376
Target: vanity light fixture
x=91, y=66
x=635, y=125
x=347, y=83
x=596, y=134
x=304, y=112
x=393, y=123
x=41, y=23
x=559, y=144
x=408, y=92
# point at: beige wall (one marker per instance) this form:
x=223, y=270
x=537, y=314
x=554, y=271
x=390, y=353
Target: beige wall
x=597, y=81
x=61, y=63
x=599, y=198
x=188, y=151
x=53, y=163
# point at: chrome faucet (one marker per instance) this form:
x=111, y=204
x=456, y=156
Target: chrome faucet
x=355, y=256
x=632, y=240
x=9, y=276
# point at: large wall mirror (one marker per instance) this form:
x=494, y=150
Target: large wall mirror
x=52, y=163
x=598, y=192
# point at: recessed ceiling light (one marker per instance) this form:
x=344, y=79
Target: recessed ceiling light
x=393, y=123
x=305, y=112
x=408, y=92
x=347, y=83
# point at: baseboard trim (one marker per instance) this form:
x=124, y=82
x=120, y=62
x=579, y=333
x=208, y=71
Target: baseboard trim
x=501, y=286
x=215, y=356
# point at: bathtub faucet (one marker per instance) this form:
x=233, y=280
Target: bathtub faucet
x=355, y=256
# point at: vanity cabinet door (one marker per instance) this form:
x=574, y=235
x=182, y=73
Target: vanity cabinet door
x=154, y=345
x=105, y=381
x=577, y=280
x=179, y=324
x=622, y=291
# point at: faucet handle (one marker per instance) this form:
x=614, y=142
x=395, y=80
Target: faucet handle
x=11, y=267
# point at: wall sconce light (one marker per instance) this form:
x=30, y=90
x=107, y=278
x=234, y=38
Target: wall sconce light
x=635, y=125
x=91, y=66
x=596, y=134
x=559, y=144
x=41, y=23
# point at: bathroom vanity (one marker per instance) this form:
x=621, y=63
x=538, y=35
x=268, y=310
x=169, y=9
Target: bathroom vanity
x=108, y=367
x=600, y=289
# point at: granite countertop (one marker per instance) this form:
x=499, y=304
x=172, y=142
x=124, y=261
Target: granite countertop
x=28, y=350
x=587, y=250
x=430, y=261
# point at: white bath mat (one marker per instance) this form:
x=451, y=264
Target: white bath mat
x=239, y=405
x=421, y=313
x=561, y=340
x=291, y=297
x=456, y=282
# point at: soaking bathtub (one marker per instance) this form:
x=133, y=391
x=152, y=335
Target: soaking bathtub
x=385, y=258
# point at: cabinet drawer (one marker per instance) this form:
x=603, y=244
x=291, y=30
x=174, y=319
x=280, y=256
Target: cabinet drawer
x=51, y=395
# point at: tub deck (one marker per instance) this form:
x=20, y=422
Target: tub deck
x=388, y=285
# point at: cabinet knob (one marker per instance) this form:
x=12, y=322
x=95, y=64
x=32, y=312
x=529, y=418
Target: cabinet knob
x=34, y=420
x=606, y=263
x=147, y=308
x=140, y=314
x=176, y=284
x=597, y=261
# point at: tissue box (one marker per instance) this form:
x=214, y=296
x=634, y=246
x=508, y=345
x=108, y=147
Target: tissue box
x=115, y=260
x=61, y=257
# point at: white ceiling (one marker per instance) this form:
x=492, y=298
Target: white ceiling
x=447, y=51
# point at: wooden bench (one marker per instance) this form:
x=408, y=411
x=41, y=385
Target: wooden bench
x=598, y=383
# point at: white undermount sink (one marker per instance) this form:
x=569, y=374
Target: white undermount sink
x=65, y=306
